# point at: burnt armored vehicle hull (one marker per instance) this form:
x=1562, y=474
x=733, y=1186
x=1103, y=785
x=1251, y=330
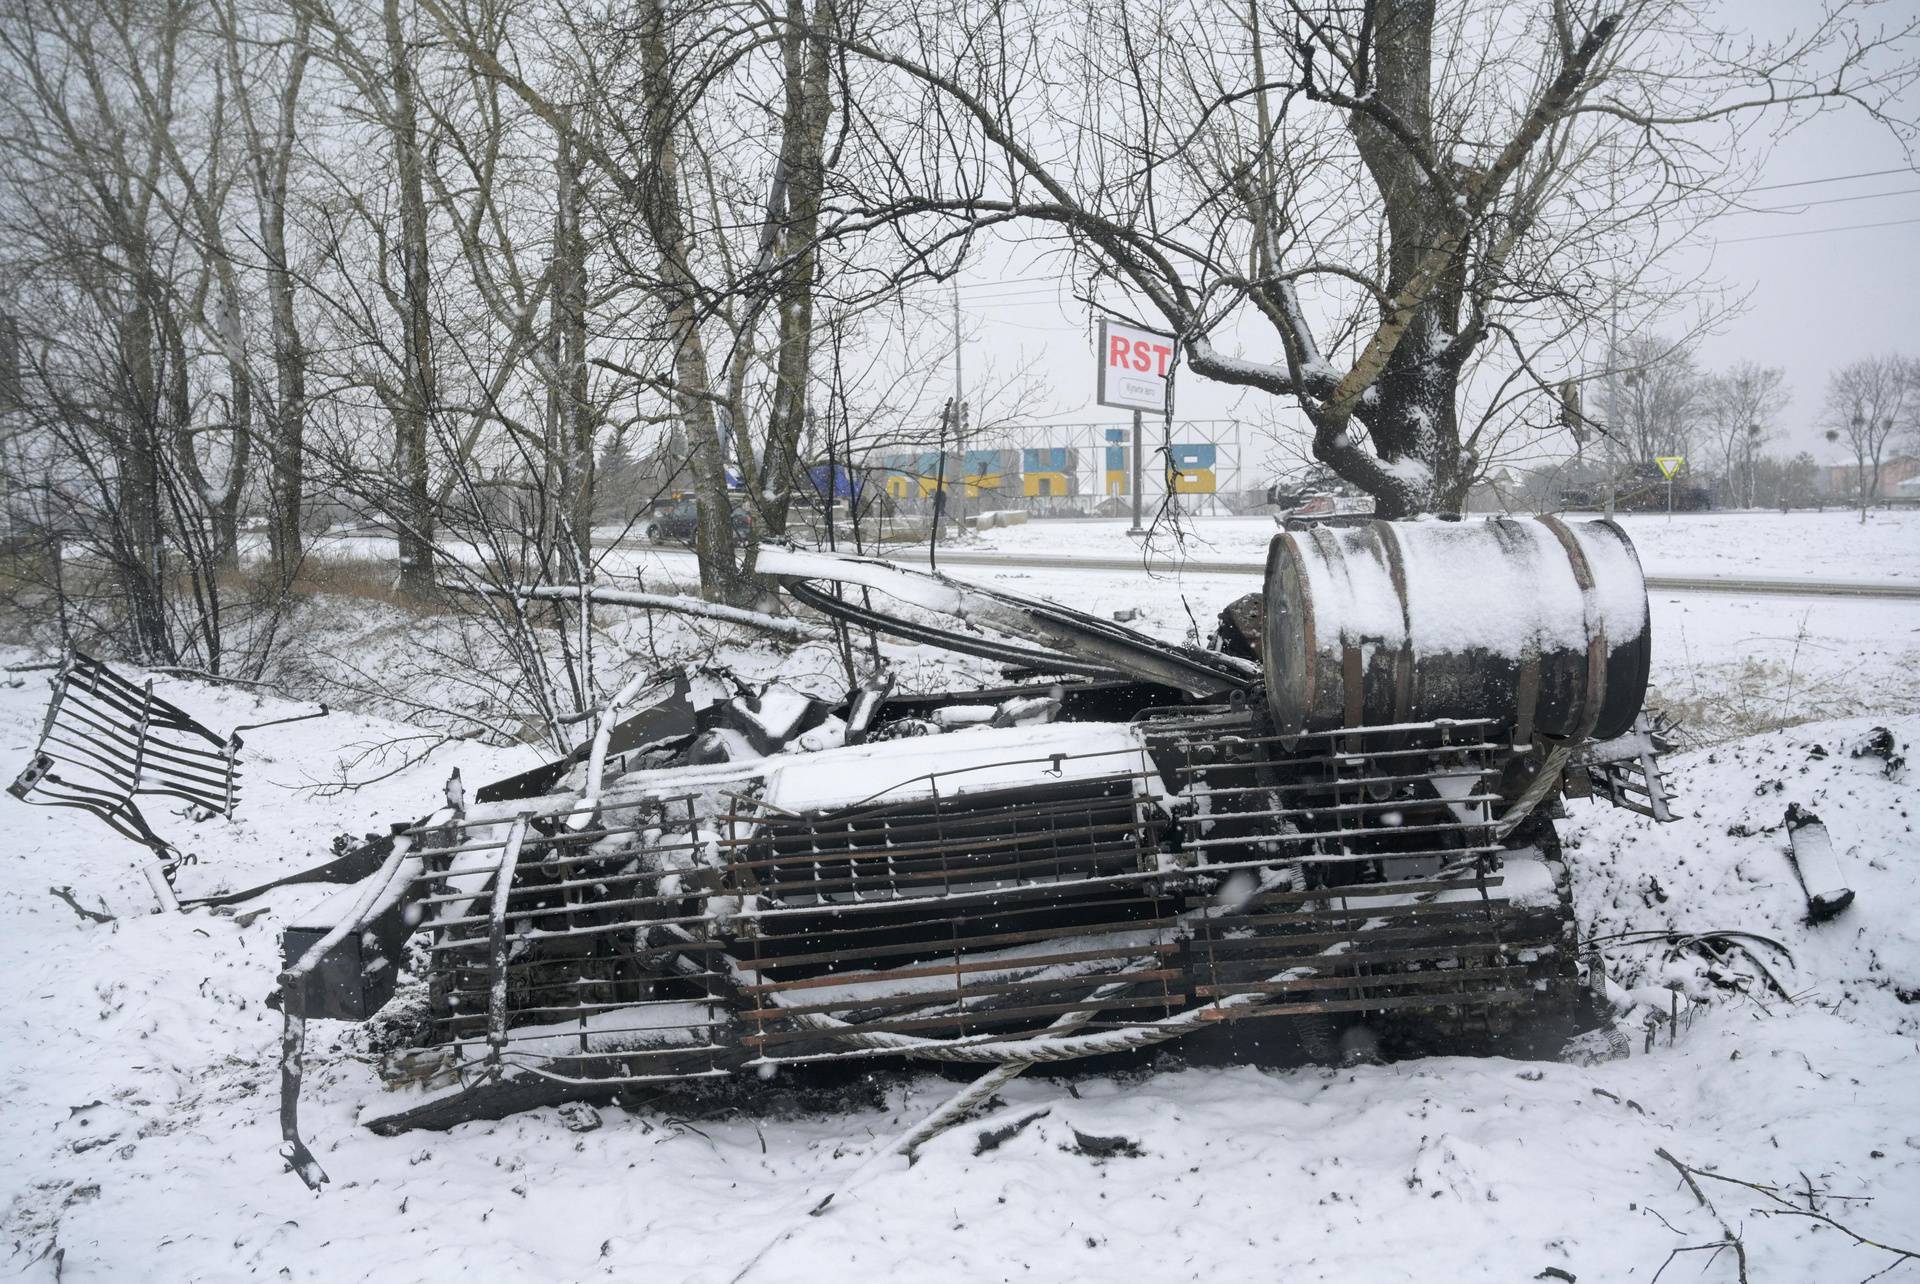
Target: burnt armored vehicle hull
x=1353, y=831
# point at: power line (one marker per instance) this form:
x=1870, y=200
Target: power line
x=1179, y=421
x=1046, y=296
x=1830, y=200
x=1816, y=231
x=996, y=285
x=1013, y=291
x=1837, y=178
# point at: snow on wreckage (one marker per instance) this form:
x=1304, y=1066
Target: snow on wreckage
x=1342, y=816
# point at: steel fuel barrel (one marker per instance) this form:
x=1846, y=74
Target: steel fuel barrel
x=1540, y=624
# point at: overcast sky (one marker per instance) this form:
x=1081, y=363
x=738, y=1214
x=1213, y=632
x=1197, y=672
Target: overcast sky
x=1823, y=297
x=1822, y=289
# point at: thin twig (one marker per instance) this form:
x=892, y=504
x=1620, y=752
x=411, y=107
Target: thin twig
x=1732, y=1239
x=66, y=894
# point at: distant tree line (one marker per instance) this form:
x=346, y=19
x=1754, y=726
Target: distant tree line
x=1662, y=402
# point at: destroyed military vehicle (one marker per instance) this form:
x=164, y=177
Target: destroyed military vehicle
x=1339, y=816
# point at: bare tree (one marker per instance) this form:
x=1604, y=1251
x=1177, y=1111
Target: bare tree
x=720, y=324
x=1787, y=483
x=1910, y=436
x=1655, y=404
x=1364, y=195
x=265, y=63
x=1741, y=404
x=372, y=46
x=195, y=201
x=104, y=246
x=1867, y=403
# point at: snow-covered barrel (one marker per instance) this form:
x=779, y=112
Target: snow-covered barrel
x=1540, y=624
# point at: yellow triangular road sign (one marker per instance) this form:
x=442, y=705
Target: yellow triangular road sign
x=1670, y=464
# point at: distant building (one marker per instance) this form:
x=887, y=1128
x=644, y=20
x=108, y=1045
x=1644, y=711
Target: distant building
x=1842, y=481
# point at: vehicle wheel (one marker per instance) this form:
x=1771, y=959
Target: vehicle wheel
x=650, y=533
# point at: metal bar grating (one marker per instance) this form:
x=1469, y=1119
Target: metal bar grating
x=704, y=933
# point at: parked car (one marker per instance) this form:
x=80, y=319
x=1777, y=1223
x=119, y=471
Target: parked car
x=678, y=522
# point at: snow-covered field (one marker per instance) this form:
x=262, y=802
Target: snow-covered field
x=1834, y=545
x=140, y=1139
x=139, y=1063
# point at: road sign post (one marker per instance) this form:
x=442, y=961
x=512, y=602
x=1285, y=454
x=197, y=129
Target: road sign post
x=1669, y=465
x=1136, y=373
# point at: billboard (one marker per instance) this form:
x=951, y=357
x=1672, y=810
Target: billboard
x=1136, y=368
x=1190, y=468
x=1056, y=466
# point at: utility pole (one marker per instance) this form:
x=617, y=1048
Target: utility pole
x=959, y=385
x=948, y=415
x=1613, y=322
x=956, y=408
x=1613, y=395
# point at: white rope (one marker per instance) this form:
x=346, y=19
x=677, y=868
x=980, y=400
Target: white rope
x=1058, y=1043
x=973, y=1050
x=1542, y=784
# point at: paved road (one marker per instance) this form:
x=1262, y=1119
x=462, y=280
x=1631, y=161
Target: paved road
x=1655, y=583
x=1658, y=583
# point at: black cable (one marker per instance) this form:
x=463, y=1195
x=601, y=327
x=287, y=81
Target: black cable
x=1837, y=178
x=1816, y=231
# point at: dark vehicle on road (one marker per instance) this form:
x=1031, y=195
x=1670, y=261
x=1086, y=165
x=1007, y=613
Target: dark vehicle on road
x=1644, y=490
x=678, y=522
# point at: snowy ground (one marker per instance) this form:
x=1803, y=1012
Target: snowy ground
x=1834, y=545
x=140, y=1065
x=140, y=1141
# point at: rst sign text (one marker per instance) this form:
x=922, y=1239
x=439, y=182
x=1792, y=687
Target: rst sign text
x=1136, y=368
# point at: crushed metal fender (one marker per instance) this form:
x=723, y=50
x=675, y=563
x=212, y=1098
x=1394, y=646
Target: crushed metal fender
x=1197, y=672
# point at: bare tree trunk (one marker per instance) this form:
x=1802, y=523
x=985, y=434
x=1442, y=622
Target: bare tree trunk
x=809, y=106
x=142, y=552
x=286, y=484
x=221, y=505
x=226, y=503
x=413, y=516
x=1413, y=421
x=573, y=418
x=269, y=161
x=202, y=193
x=720, y=575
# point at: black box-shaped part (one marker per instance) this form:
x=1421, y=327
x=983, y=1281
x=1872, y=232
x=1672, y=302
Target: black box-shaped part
x=357, y=976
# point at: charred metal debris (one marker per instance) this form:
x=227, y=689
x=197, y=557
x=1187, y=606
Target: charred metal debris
x=105, y=742
x=1339, y=815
